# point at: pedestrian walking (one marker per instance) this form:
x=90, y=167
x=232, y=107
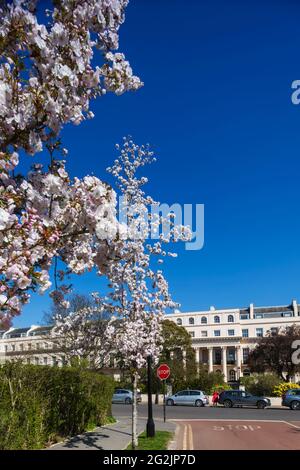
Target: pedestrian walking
x=215, y=398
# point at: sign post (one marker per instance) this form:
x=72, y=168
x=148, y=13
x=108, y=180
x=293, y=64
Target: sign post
x=163, y=373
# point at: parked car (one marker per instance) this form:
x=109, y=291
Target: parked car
x=230, y=398
x=188, y=397
x=122, y=395
x=292, y=399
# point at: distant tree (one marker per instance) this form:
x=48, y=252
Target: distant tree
x=80, y=341
x=76, y=302
x=176, y=341
x=274, y=353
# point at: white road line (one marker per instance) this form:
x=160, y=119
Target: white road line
x=191, y=443
x=250, y=420
x=184, y=444
x=293, y=425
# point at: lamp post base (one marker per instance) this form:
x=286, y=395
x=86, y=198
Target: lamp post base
x=150, y=428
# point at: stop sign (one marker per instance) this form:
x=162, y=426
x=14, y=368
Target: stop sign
x=163, y=371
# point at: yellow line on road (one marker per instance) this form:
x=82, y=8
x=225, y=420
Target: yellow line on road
x=191, y=442
x=184, y=444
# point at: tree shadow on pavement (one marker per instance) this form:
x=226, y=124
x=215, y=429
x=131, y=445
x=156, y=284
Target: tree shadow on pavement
x=92, y=440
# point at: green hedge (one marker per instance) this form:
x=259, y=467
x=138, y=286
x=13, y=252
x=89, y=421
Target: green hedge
x=39, y=405
x=261, y=384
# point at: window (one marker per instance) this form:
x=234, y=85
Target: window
x=179, y=321
x=191, y=321
x=217, y=333
x=37, y=345
x=36, y=361
x=274, y=331
x=21, y=347
x=45, y=361
x=244, y=316
x=230, y=319
x=204, y=320
x=259, y=316
x=13, y=347
x=28, y=360
x=29, y=347
x=217, y=319
x=245, y=355
x=6, y=348
x=245, y=333
x=232, y=375
x=246, y=372
x=192, y=333
x=204, y=334
x=259, y=332
x=230, y=332
x=195, y=392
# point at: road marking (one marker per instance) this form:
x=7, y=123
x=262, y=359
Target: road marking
x=184, y=445
x=191, y=443
x=238, y=427
x=294, y=425
x=226, y=420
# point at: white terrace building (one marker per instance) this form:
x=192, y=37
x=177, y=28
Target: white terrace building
x=223, y=338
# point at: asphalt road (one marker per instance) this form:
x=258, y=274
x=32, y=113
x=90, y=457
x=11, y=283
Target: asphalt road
x=221, y=428
x=208, y=412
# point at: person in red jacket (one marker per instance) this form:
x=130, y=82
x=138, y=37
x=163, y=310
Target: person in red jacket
x=215, y=398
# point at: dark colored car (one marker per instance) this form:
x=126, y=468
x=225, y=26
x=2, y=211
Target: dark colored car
x=230, y=398
x=292, y=399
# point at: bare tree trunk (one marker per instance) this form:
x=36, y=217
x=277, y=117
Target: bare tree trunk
x=134, y=411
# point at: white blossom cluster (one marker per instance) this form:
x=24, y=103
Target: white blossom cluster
x=52, y=63
x=47, y=71
x=46, y=215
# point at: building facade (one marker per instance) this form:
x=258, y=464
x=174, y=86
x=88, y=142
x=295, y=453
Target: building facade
x=222, y=339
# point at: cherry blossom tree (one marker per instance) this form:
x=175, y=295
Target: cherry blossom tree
x=138, y=295
x=52, y=64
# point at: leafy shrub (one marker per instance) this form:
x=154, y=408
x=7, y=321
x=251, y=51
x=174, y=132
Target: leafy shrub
x=220, y=388
x=39, y=404
x=260, y=384
x=282, y=388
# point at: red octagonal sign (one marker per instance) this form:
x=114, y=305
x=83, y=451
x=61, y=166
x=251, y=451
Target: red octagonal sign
x=163, y=372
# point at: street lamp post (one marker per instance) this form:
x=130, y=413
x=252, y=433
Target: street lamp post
x=150, y=429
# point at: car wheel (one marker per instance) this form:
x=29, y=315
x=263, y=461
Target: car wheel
x=128, y=401
x=261, y=405
x=295, y=405
x=170, y=402
x=199, y=403
x=228, y=404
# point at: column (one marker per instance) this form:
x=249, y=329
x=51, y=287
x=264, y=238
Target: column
x=251, y=311
x=210, y=360
x=238, y=352
x=224, y=362
x=295, y=308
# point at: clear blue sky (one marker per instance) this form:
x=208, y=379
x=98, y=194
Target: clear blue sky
x=216, y=108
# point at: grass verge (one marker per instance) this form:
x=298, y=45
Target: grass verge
x=159, y=442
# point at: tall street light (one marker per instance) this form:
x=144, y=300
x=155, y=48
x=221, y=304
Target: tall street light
x=150, y=429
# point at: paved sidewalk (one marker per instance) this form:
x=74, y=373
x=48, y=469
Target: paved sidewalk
x=114, y=436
